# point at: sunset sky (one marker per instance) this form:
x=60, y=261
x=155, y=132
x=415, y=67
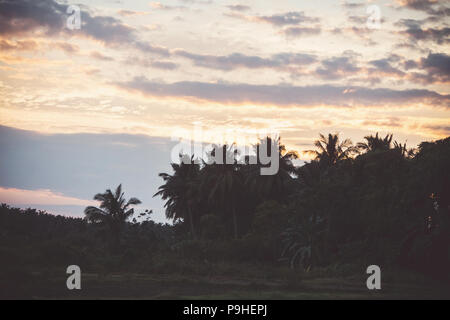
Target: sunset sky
x=86, y=109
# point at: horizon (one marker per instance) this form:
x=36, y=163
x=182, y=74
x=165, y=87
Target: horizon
x=86, y=107
x=19, y=142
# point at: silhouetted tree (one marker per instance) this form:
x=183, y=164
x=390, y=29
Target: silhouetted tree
x=179, y=191
x=223, y=182
x=375, y=143
x=114, y=211
x=331, y=150
x=271, y=187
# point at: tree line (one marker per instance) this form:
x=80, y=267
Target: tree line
x=373, y=200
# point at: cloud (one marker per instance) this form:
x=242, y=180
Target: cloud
x=22, y=16
x=15, y=196
x=417, y=33
x=337, y=67
x=66, y=47
x=106, y=29
x=438, y=129
x=293, y=18
x=436, y=67
x=204, y=2
x=286, y=19
x=392, y=122
x=151, y=63
x=429, y=6
x=150, y=48
x=48, y=17
x=25, y=45
x=131, y=13
x=160, y=6
x=352, y=5
x=91, y=71
x=432, y=7
x=409, y=23
x=437, y=64
x=293, y=24
x=410, y=64
x=238, y=60
x=295, y=32
x=238, y=7
x=385, y=66
x=417, y=4
x=358, y=19
x=100, y=56
x=198, y=1
x=363, y=33
x=284, y=95
x=164, y=65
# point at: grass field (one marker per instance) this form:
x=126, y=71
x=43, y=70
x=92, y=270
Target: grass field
x=138, y=286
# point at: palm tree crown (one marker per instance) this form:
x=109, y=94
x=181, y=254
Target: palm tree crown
x=179, y=191
x=331, y=150
x=375, y=143
x=223, y=182
x=277, y=186
x=113, y=210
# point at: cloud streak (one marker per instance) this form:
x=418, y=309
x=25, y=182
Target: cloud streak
x=239, y=60
x=296, y=32
x=286, y=19
x=296, y=23
x=16, y=196
x=238, y=7
x=434, y=8
x=284, y=95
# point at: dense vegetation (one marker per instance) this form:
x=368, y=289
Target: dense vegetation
x=354, y=205
x=374, y=202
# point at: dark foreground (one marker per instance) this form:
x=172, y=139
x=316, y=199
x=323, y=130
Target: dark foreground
x=139, y=286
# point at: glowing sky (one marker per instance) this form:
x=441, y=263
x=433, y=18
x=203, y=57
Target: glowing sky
x=151, y=68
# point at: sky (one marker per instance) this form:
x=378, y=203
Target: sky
x=84, y=109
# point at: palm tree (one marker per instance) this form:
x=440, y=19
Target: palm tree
x=179, y=191
x=272, y=187
x=223, y=182
x=114, y=211
x=331, y=150
x=375, y=143
x=403, y=151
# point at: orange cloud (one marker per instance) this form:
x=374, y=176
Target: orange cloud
x=15, y=196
